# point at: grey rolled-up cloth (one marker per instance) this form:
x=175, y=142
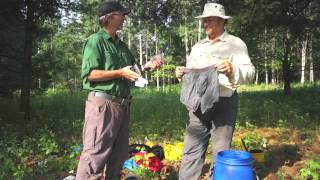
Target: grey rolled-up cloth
x=200, y=88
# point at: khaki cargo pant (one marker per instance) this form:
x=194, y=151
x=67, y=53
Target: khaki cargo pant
x=218, y=124
x=105, y=139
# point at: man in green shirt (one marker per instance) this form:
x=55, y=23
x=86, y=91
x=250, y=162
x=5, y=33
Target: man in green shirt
x=107, y=74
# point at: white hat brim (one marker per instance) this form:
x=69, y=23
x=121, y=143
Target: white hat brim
x=204, y=16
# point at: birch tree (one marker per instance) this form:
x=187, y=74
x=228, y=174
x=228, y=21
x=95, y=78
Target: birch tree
x=304, y=44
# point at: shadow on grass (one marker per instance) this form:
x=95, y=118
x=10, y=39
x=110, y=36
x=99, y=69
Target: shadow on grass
x=273, y=109
x=283, y=155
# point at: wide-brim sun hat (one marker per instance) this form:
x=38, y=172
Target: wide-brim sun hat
x=213, y=9
x=112, y=6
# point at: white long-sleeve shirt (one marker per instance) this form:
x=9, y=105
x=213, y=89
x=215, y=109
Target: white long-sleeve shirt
x=208, y=52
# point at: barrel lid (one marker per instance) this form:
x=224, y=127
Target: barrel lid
x=234, y=157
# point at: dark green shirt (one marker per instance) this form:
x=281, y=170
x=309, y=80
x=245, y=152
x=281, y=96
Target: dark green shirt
x=101, y=52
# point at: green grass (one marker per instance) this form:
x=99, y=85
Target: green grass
x=269, y=107
x=158, y=115
x=43, y=146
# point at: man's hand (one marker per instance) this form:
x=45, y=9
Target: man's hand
x=155, y=63
x=128, y=74
x=179, y=72
x=225, y=66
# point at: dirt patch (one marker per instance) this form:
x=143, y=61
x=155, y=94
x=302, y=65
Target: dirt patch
x=286, y=153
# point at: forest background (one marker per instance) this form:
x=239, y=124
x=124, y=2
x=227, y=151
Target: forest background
x=40, y=61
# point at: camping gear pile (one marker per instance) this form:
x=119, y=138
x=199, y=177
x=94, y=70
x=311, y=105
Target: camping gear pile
x=145, y=160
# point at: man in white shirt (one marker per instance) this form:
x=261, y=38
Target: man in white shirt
x=229, y=55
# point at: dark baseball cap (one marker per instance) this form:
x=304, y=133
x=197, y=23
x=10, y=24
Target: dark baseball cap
x=111, y=6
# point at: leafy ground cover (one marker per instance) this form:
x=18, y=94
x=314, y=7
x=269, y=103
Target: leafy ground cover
x=285, y=128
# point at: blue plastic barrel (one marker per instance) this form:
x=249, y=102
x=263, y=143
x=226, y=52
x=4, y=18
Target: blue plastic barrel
x=233, y=165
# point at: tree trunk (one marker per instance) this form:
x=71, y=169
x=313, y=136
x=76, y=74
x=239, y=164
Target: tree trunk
x=129, y=40
x=273, y=73
x=311, y=73
x=129, y=35
x=266, y=59
x=199, y=30
x=163, y=80
x=140, y=48
x=303, y=59
x=285, y=64
x=191, y=42
x=186, y=41
x=155, y=33
x=146, y=60
x=27, y=63
x=257, y=77
x=266, y=71
x=39, y=84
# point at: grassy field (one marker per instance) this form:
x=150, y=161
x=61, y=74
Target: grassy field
x=45, y=147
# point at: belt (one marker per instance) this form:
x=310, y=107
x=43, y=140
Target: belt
x=112, y=98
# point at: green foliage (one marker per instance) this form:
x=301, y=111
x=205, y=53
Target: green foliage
x=254, y=141
x=167, y=71
x=11, y=52
x=280, y=175
x=34, y=156
x=145, y=117
x=311, y=170
x=35, y=148
x=145, y=172
x=47, y=144
x=57, y=45
x=275, y=109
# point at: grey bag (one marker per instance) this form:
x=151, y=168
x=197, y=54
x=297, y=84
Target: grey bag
x=200, y=88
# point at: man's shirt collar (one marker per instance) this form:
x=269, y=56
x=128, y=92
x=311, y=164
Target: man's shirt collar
x=222, y=37
x=107, y=35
